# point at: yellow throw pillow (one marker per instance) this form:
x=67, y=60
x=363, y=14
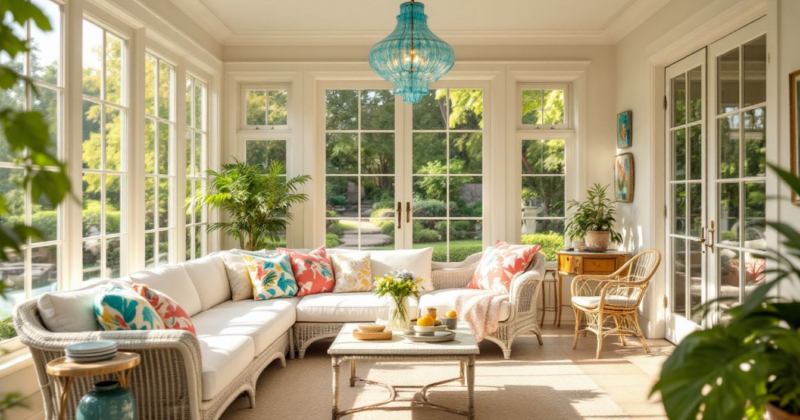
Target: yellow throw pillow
x=352, y=273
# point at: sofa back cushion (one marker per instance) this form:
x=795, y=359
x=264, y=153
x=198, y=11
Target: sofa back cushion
x=210, y=280
x=173, y=281
x=418, y=261
x=71, y=310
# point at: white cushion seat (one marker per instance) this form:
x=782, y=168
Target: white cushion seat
x=223, y=358
x=263, y=321
x=444, y=300
x=613, y=300
x=345, y=307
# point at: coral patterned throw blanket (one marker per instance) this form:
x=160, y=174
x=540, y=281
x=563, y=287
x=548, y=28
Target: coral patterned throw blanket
x=481, y=310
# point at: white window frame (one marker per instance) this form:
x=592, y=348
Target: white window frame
x=193, y=129
x=567, y=125
x=244, y=88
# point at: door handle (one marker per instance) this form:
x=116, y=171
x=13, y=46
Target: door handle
x=703, y=241
x=408, y=212
x=399, y=215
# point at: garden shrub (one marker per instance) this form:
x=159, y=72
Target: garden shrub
x=376, y=215
x=331, y=240
x=550, y=242
x=426, y=235
x=441, y=227
x=430, y=208
x=7, y=328
x=388, y=228
x=333, y=227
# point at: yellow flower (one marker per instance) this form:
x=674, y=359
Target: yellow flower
x=419, y=280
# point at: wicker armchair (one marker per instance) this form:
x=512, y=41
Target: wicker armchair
x=613, y=299
x=524, y=295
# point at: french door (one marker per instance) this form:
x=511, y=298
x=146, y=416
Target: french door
x=404, y=176
x=716, y=178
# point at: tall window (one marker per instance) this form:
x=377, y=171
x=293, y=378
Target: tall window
x=159, y=161
x=196, y=165
x=543, y=165
x=267, y=108
x=104, y=156
x=447, y=173
x=36, y=269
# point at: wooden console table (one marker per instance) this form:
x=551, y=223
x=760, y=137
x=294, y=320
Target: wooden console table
x=573, y=263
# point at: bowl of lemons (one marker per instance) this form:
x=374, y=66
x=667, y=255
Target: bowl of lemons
x=427, y=326
x=450, y=320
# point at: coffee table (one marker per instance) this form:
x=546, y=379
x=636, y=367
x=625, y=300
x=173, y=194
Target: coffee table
x=463, y=350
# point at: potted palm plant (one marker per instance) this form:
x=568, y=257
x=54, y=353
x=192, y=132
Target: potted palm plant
x=750, y=364
x=593, y=220
x=257, y=200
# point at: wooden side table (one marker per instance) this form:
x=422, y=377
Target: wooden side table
x=573, y=263
x=122, y=364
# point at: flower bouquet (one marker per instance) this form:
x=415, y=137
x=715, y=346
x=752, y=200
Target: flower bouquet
x=399, y=286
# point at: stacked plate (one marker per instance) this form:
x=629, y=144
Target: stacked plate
x=91, y=351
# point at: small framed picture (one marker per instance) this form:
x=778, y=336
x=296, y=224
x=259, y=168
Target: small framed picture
x=624, y=129
x=794, y=121
x=624, y=178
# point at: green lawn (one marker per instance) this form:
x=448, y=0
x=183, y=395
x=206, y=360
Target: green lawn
x=459, y=250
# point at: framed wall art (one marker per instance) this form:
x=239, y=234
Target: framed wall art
x=624, y=178
x=624, y=129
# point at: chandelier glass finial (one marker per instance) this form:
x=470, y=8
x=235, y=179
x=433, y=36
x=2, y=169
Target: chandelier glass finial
x=412, y=57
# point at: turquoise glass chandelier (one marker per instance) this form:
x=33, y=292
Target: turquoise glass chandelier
x=412, y=57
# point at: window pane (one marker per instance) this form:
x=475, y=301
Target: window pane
x=696, y=280
x=13, y=275
x=430, y=113
x=695, y=94
x=92, y=257
x=679, y=214
x=466, y=238
x=466, y=196
x=164, y=189
x=554, y=106
x=542, y=197
x=199, y=191
x=430, y=153
x=696, y=152
x=377, y=153
x=679, y=276
x=189, y=242
x=729, y=147
x=149, y=146
x=679, y=153
x=113, y=203
x=679, y=100
x=44, y=217
x=543, y=156
x=46, y=102
x=532, y=107
x=165, y=74
x=189, y=201
x=431, y=233
x=342, y=196
x=755, y=142
x=91, y=135
x=466, y=153
x=200, y=100
x=189, y=102
x=149, y=203
x=164, y=146
x=113, y=146
x=545, y=232
x=730, y=270
x=114, y=251
x=375, y=190
x=755, y=212
x=377, y=110
x=728, y=76
x=46, y=46
x=150, y=85
x=341, y=153
x=189, y=153
x=341, y=109
x=755, y=272
x=256, y=107
x=466, y=109
x=164, y=245
x=44, y=270
x=150, y=250
x=278, y=111
x=695, y=209
x=92, y=205
x=200, y=154
x=755, y=71
x=341, y=234
x=729, y=214
x=92, y=59
x=13, y=98
x=114, y=66
x=430, y=196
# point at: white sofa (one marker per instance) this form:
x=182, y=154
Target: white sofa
x=186, y=377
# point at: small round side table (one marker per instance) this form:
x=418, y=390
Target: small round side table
x=122, y=364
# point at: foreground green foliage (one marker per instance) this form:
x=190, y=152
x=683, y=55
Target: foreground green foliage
x=257, y=200
x=595, y=214
x=732, y=371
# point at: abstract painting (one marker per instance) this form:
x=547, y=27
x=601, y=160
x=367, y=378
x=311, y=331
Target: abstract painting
x=624, y=129
x=794, y=122
x=624, y=178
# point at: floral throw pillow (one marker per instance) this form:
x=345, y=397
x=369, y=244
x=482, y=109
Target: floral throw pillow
x=172, y=314
x=353, y=273
x=312, y=271
x=119, y=307
x=499, y=264
x=272, y=277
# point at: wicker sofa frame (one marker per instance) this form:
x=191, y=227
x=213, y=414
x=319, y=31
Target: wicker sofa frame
x=524, y=294
x=167, y=384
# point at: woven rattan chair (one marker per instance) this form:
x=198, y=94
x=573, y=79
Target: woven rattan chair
x=608, y=305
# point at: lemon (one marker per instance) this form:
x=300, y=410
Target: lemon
x=451, y=314
x=425, y=321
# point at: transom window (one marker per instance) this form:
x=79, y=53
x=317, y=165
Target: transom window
x=544, y=106
x=266, y=107
x=196, y=166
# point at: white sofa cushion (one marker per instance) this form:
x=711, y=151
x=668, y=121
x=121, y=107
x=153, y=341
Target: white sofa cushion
x=263, y=321
x=71, y=310
x=223, y=358
x=173, y=281
x=210, y=280
x=418, y=261
x=345, y=307
x=444, y=300
x=613, y=300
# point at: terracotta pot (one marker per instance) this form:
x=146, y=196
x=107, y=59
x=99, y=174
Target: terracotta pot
x=776, y=413
x=598, y=240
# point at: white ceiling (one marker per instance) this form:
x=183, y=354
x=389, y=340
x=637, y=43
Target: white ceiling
x=326, y=22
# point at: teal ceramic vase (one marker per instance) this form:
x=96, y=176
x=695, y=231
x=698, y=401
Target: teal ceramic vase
x=108, y=401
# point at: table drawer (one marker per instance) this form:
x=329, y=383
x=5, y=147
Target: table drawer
x=599, y=265
x=571, y=264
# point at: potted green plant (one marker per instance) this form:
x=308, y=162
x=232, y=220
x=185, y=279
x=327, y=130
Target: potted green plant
x=593, y=220
x=750, y=364
x=257, y=200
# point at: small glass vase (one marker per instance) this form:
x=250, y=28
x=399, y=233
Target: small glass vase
x=399, y=319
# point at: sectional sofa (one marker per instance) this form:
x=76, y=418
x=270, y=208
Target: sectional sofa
x=186, y=377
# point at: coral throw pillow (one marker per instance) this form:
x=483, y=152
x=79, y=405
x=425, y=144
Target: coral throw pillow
x=353, y=273
x=500, y=263
x=172, y=314
x=272, y=277
x=312, y=271
x=119, y=307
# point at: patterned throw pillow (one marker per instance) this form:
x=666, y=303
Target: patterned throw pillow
x=352, y=273
x=172, y=314
x=499, y=264
x=312, y=271
x=119, y=307
x=272, y=277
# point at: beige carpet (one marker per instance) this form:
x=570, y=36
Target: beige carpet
x=550, y=382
